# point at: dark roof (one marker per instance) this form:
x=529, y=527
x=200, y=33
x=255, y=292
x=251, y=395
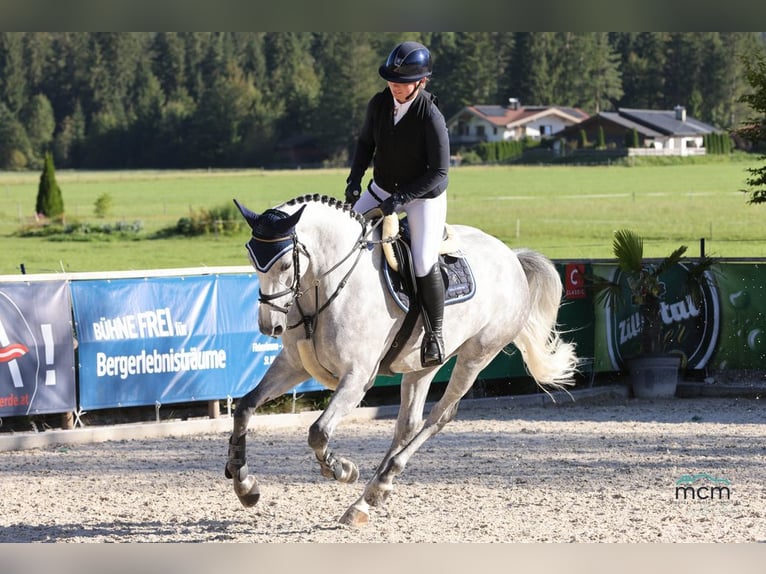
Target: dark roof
x=629, y=124
x=649, y=123
x=492, y=111
x=665, y=122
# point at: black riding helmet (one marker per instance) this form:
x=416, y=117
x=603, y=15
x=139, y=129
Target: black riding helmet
x=408, y=62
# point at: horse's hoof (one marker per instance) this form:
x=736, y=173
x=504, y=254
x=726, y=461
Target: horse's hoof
x=247, y=491
x=345, y=471
x=377, y=496
x=355, y=517
x=250, y=499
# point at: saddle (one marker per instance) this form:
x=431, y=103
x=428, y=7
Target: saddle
x=399, y=275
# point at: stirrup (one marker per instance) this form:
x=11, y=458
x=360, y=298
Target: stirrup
x=431, y=342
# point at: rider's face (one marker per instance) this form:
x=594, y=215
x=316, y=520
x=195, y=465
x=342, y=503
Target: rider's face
x=403, y=92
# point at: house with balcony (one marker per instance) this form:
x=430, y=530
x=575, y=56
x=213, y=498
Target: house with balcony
x=494, y=123
x=659, y=132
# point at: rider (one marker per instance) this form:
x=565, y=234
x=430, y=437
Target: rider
x=405, y=136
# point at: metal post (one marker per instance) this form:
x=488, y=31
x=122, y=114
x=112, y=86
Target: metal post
x=67, y=420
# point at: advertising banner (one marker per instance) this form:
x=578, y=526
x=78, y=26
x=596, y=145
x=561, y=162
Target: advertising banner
x=575, y=321
x=169, y=340
x=691, y=328
x=742, y=340
x=36, y=349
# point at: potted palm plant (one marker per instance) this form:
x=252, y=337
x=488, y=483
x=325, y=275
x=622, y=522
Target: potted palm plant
x=653, y=370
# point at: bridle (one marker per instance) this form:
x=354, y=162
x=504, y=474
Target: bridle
x=308, y=320
x=294, y=287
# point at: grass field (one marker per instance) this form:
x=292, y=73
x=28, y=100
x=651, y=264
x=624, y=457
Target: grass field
x=566, y=212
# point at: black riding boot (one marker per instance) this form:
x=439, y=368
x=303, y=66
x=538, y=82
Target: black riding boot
x=431, y=293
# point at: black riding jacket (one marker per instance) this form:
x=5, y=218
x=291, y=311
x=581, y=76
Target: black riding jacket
x=410, y=158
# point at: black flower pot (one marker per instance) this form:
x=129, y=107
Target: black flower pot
x=654, y=376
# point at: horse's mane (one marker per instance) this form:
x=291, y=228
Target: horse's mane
x=330, y=201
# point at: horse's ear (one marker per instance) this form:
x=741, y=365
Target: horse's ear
x=250, y=216
x=285, y=226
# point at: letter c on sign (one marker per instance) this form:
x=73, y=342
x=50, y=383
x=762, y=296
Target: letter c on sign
x=575, y=283
x=574, y=276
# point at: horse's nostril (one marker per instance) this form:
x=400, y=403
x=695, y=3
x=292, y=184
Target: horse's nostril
x=278, y=330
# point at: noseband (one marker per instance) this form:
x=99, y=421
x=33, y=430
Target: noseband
x=294, y=288
x=309, y=320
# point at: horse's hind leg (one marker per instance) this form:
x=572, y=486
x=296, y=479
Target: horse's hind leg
x=381, y=485
x=279, y=379
x=414, y=390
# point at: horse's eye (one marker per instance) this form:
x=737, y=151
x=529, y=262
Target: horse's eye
x=285, y=266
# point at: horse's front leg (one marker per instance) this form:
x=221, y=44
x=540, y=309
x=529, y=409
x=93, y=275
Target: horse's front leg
x=346, y=397
x=279, y=379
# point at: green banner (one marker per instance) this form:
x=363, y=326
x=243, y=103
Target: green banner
x=742, y=342
x=726, y=330
x=576, y=321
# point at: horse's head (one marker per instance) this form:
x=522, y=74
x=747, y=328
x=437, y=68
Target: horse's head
x=276, y=254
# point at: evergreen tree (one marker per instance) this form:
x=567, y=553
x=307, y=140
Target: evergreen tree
x=502, y=45
x=49, y=203
x=69, y=142
x=168, y=65
x=40, y=123
x=754, y=130
x=530, y=67
x=15, y=149
x=38, y=56
x=293, y=80
x=604, y=72
x=13, y=84
x=732, y=111
x=589, y=71
x=139, y=94
x=347, y=85
x=146, y=115
x=642, y=65
x=684, y=68
x=473, y=75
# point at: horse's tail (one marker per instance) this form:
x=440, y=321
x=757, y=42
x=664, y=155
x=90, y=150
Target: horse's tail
x=551, y=361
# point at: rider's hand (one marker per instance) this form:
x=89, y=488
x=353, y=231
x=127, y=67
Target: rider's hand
x=391, y=204
x=353, y=191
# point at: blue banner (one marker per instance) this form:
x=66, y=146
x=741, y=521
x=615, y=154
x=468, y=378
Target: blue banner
x=36, y=349
x=169, y=340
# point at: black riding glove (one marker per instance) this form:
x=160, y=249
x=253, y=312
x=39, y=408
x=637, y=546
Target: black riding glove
x=391, y=203
x=353, y=191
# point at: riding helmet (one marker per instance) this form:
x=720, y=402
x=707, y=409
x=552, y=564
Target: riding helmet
x=408, y=62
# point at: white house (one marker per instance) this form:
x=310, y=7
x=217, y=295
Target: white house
x=493, y=123
x=660, y=132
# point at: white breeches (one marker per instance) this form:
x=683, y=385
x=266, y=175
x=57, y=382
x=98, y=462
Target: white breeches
x=426, y=217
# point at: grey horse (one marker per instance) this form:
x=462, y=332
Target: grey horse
x=322, y=290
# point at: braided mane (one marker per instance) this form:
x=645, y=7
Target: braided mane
x=332, y=202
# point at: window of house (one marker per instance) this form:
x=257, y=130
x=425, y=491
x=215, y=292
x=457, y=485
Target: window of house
x=480, y=131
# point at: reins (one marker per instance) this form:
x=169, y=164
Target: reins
x=308, y=320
